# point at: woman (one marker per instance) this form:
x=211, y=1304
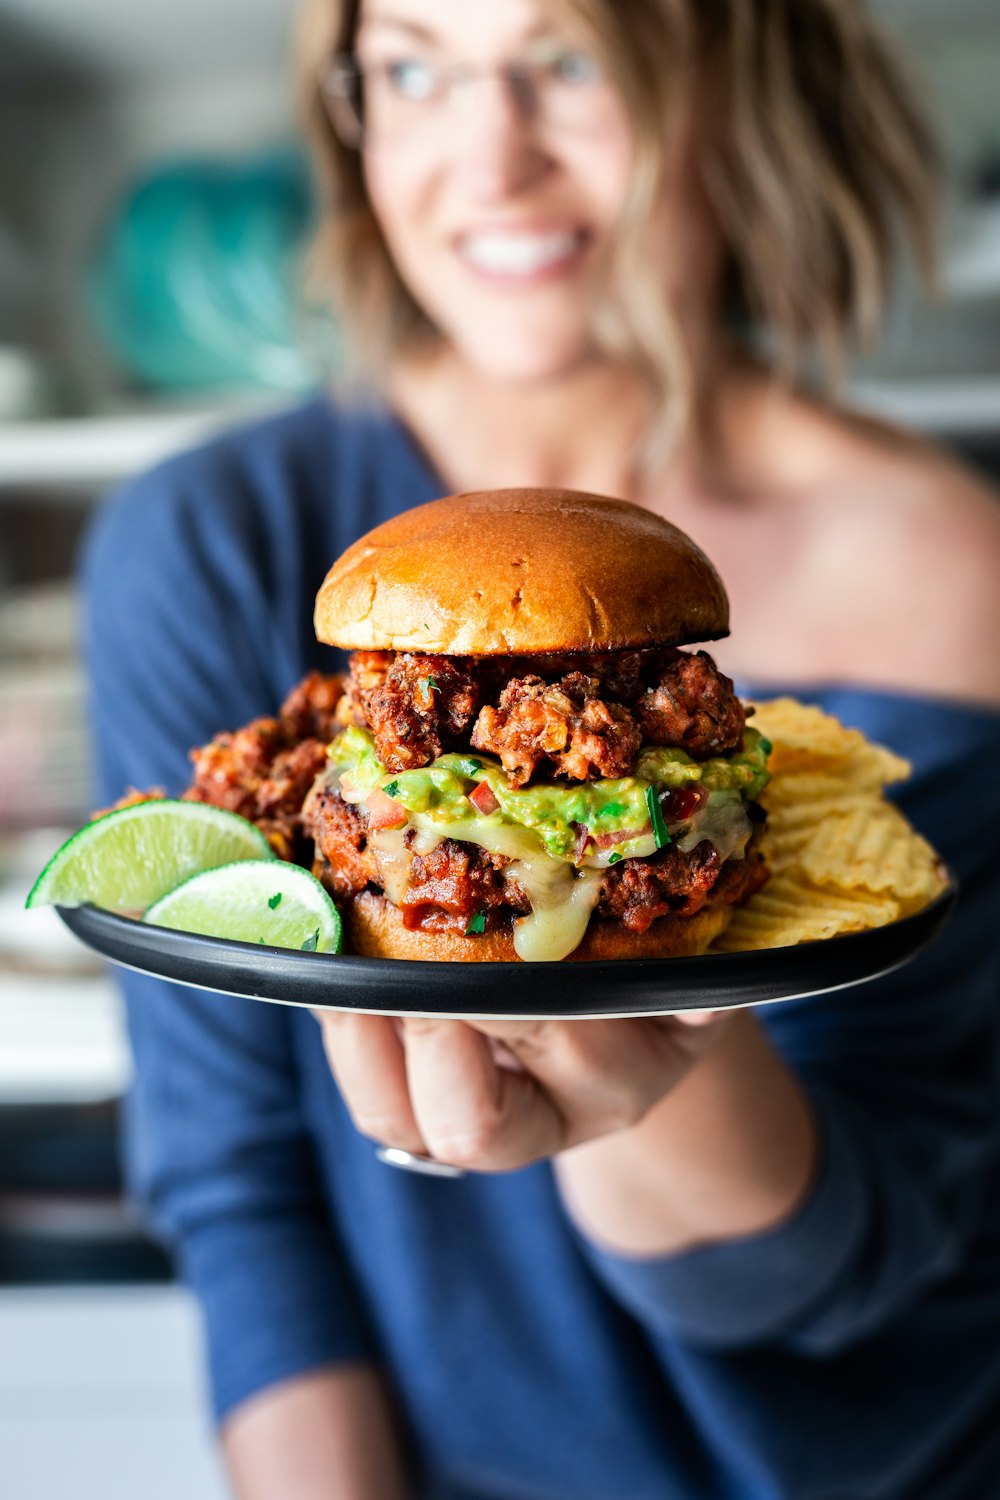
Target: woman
x=763, y=1267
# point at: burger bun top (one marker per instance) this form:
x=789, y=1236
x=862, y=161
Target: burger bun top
x=518, y=572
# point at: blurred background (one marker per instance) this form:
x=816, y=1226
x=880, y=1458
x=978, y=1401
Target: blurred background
x=154, y=209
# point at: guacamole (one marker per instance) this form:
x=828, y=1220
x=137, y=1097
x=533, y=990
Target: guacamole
x=615, y=813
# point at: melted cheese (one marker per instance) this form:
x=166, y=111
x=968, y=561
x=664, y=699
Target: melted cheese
x=393, y=860
x=510, y=839
x=562, y=895
x=561, y=904
x=724, y=822
x=562, y=898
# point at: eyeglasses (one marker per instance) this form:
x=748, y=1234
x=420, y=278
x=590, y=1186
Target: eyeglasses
x=555, y=86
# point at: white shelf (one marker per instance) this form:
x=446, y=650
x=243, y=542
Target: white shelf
x=953, y=408
x=972, y=269
x=87, y=453
x=101, y=1396
x=62, y=1040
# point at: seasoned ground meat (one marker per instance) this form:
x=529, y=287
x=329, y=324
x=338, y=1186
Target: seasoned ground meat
x=270, y=771
x=693, y=706
x=622, y=674
x=343, y=860
x=367, y=671
x=566, y=723
x=458, y=879
x=229, y=770
x=445, y=888
x=423, y=705
x=264, y=770
x=311, y=709
x=739, y=879
x=283, y=790
x=638, y=891
x=455, y=881
x=584, y=714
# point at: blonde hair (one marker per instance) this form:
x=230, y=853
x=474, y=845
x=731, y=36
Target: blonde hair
x=810, y=149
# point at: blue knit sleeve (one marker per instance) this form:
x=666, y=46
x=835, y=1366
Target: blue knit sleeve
x=177, y=646
x=903, y=1075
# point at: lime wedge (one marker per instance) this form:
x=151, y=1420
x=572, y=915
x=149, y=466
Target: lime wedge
x=126, y=860
x=256, y=901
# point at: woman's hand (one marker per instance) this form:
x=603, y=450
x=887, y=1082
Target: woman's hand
x=492, y=1096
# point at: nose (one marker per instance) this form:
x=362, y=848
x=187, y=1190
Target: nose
x=497, y=150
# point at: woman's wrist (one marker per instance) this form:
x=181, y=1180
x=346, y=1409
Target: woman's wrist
x=329, y=1434
x=730, y=1151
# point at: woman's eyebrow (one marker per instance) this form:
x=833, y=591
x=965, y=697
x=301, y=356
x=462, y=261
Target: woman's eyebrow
x=385, y=19
x=401, y=23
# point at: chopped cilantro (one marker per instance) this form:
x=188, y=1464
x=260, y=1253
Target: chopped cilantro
x=274, y=900
x=765, y=745
x=261, y=940
x=311, y=943
x=427, y=683
x=660, y=833
x=614, y=859
x=392, y=789
x=612, y=810
x=477, y=923
x=468, y=766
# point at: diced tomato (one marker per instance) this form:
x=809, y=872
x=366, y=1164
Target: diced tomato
x=681, y=803
x=383, y=811
x=483, y=799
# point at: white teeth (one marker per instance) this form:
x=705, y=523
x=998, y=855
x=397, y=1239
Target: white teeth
x=517, y=254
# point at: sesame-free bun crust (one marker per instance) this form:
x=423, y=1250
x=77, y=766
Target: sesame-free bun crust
x=374, y=929
x=511, y=572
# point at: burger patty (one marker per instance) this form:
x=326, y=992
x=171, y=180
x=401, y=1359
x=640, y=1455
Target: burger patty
x=583, y=715
x=457, y=880
x=673, y=883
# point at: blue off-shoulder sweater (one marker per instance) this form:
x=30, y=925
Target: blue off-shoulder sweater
x=853, y=1353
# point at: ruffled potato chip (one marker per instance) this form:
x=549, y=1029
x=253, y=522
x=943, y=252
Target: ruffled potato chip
x=842, y=858
x=873, y=848
x=790, y=909
x=807, y=739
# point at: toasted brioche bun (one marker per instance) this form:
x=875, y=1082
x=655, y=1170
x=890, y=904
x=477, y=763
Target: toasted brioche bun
x=374, y=929
x=502, y=572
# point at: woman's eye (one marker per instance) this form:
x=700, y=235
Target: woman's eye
x=412, y=79
x=574, y=67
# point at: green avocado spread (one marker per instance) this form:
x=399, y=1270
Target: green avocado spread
x=616, y=813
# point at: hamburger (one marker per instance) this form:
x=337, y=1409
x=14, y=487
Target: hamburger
x=528, y=764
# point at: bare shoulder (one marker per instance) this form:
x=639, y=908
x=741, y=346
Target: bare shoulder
x=908, y=547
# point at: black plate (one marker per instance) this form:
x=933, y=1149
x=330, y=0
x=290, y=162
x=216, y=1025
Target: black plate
x=650, y=986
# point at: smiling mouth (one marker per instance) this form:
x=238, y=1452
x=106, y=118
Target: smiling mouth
x=521, y=256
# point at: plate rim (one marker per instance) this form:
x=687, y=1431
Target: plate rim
x=189, y=949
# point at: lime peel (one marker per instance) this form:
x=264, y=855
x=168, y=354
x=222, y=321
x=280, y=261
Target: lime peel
x=128, y=858
x=234, y=902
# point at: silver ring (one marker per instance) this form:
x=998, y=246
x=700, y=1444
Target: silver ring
x=409, y=1161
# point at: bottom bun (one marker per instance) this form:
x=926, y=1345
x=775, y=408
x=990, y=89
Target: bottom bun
x=375, y=930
